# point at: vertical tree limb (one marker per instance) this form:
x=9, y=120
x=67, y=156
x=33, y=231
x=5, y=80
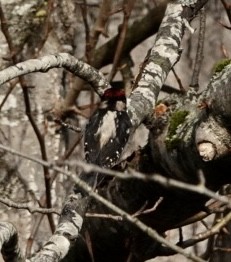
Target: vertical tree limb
x=159, y=61
x=200, y=50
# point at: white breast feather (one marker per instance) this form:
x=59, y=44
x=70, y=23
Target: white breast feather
x=108, y=129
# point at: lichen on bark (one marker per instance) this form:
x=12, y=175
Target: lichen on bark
x=176, y=119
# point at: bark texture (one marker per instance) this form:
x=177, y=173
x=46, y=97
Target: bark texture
x=189, y=141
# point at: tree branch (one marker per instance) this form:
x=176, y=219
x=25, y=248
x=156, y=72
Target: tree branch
x=9, y=243
x=70, y=223
x=212, y=134
x=26, y=206
x=159, y=61
x=133, y=220
x=200, y=50
x=88, y=168
x=70, y=63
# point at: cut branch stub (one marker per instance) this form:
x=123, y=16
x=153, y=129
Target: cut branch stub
x=211, y=132
x=215, y=127
x=207, y=150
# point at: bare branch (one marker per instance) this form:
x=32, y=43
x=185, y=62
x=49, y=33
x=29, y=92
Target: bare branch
x=70, y=63
x=9, y=243
x=33, y=234
x=83, y=8
x=99, y=27
x=149, y=231
x=127, y=8
x=165, y=251
x=200, y=50
x=67, y=125
x=167, y=182
x=70, y=223
x=178, y=81
x=28, y=207
x=214, y=207
x=208, y=233
x=159, y=61
x=142, y=28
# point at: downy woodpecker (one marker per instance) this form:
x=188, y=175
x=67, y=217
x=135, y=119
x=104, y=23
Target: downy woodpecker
x=106, y=134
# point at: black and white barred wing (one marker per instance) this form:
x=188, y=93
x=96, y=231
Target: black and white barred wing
x=106, y=135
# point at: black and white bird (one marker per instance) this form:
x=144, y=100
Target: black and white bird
x=106, y=134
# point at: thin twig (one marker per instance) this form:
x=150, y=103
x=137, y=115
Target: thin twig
x=100, y=26
x=43, y=153
x=12, y=86
x=119, y=218
x=178, y=80
x=66, y=155
x=127, y=8
x=208, y=233
x=34, y=232
x=133, y=220
x=106, y=216
x=198, y=237
x=67, y=125
x=4, y=27
x=167, y=182
x=211, y=208
x=27, y=206
x=149, y=210
x=127, y=74
x=200, y=50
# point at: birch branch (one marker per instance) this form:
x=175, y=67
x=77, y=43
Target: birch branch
x=70, y=223
x=9, y=243
x=159, y=61
x=70, y=63
x=126, y=216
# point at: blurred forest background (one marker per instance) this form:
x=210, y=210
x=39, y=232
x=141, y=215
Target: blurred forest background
x=31, y=29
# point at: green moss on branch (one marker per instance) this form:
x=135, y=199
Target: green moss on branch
x=177, y=118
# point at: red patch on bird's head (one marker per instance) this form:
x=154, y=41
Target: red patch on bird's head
x=113, y=93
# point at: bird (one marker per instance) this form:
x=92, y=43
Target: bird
x=106, y=134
